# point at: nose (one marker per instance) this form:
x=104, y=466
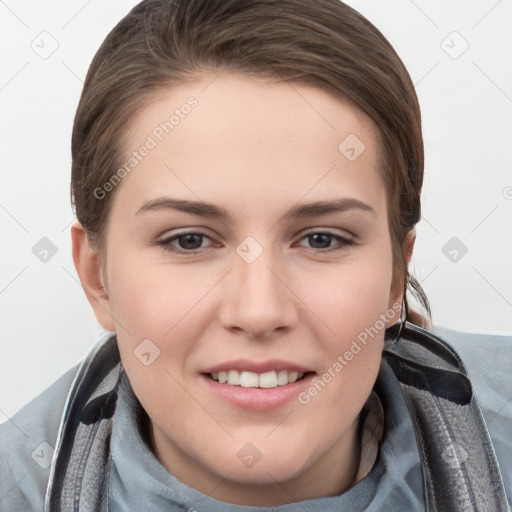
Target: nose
x=259, y=301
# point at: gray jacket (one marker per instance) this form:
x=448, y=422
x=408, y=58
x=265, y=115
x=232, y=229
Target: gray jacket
x=438, y=452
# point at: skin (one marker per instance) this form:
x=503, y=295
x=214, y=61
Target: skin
x=255, y=148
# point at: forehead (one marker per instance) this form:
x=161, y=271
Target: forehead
x=235, y=138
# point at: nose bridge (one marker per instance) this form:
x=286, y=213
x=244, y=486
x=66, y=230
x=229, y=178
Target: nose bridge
x=257, y=301
x=257, y=282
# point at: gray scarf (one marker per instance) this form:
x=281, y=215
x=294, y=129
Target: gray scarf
x=459, y=466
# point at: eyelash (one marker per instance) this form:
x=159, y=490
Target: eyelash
x=166, y=242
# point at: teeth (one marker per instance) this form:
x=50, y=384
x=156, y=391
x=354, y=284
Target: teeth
x=248, y=379
x=265, y=380
x=234, y=378
x=282, y=378
x=268, y=380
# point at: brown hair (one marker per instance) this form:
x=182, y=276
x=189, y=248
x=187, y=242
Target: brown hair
x=325, y=42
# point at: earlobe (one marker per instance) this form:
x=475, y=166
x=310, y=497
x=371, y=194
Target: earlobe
x=396, y=298
x=409, y=241
x=88, y=266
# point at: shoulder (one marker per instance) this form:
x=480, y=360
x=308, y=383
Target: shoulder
x=488, y=359
x=27, y=441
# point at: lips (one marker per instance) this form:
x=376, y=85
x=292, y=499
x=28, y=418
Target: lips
x=257, y=399
x=250, y=365
x=257, y=385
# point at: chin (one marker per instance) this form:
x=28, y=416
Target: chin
x=265, y=465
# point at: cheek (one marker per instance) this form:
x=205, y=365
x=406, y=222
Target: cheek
x=352, y=305
x=151, y=297
x=354, y=295
x=159, y=303
x=160, y=318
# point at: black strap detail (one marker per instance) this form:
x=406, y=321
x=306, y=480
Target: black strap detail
x=80, y=472
x=459, y=466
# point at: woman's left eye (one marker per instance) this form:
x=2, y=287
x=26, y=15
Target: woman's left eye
x=323, y=240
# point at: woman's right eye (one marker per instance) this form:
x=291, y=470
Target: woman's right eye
x=184, y=243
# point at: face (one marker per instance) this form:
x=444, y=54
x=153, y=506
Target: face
x=250, y=242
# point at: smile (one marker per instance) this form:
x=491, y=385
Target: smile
x=248, y=379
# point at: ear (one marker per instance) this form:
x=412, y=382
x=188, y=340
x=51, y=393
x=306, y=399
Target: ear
x=396, y=296
x=409, y=241
x=88, y=266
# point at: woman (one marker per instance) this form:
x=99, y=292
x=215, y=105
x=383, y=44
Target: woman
x=247, y=178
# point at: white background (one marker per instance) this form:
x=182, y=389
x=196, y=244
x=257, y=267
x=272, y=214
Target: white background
x=46, y=324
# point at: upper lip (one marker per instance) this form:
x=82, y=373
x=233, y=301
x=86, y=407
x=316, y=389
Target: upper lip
x=257, y=366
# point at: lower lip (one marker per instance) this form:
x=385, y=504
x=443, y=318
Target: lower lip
x=258, y=399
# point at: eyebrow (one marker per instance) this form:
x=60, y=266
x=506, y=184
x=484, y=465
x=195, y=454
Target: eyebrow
x=299, y=211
